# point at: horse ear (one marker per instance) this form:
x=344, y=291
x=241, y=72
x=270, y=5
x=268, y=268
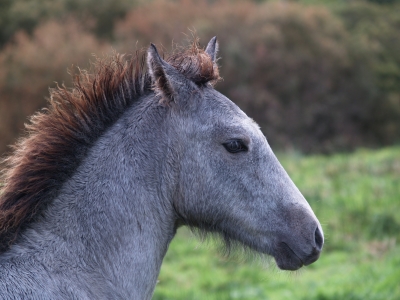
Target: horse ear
x=166, y=78
x=212, y=48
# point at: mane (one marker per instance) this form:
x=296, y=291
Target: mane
x=59, y=137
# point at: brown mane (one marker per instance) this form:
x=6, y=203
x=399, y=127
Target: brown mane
x=59, y=137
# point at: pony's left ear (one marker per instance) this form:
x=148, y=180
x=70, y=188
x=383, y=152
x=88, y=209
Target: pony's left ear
x=162, y=74
x=159, y=69
x=212, y=49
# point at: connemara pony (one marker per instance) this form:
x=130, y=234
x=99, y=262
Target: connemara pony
x=95, y=192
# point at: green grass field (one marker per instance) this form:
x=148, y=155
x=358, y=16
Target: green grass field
x=357, y=199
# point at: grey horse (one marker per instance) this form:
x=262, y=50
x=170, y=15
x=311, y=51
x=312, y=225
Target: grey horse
x=94, y=193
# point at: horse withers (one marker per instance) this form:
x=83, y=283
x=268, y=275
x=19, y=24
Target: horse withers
x=95, y=192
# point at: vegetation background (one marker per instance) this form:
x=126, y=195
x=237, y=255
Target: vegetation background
x=320, y=77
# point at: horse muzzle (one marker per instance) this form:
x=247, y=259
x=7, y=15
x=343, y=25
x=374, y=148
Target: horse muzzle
x=294, y=255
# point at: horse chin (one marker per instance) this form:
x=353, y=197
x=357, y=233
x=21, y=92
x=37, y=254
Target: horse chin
x=286, y=258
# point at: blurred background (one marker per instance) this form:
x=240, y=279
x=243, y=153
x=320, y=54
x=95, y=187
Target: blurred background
x=322, y=78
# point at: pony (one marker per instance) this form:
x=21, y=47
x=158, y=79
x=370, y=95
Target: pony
x=94, y=193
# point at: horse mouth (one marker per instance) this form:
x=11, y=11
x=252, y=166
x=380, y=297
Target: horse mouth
x=286, y=258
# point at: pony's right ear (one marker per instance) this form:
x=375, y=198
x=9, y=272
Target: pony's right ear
x=165, y=78
x=212, y=49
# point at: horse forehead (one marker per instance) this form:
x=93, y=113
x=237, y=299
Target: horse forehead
x=225, y=111
x=216, y=104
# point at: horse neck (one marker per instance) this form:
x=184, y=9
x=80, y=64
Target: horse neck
x=114, y=214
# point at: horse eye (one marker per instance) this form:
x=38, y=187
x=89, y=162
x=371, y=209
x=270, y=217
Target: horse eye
x=235, y=146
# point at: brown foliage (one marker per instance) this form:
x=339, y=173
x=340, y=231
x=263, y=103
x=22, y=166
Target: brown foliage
x=28, y=66
x=313, y=82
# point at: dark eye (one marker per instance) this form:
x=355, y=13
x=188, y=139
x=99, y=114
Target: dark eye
x=235, y=146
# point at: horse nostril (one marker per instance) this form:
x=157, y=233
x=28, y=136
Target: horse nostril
x=319, y=239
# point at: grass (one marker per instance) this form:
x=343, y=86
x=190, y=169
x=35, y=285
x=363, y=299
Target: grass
x=357, y=199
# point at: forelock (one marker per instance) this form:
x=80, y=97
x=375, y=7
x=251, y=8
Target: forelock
x=195, y=64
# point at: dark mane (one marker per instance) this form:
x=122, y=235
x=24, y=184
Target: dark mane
x=59, y=136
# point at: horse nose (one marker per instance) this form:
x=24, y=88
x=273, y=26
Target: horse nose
x=316, y=250
x=319, y=239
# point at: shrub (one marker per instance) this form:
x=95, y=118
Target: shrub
x=317, y=80
x=98, y=16
x=29, y=65
x=377, y=28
